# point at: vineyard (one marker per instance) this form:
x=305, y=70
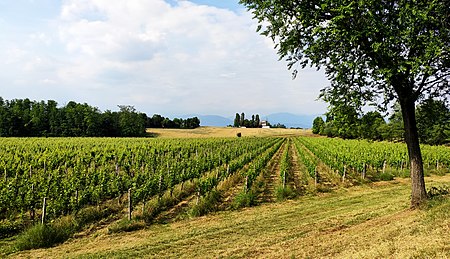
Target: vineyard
x=161, y=179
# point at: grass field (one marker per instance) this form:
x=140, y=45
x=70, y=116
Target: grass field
x=215, y=132
x=368, y=221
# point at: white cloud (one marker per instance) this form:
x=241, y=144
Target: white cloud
x=14, y=55
x=172, y=59
x=41, y=38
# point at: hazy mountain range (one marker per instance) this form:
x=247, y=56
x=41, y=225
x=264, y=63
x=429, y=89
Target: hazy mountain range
x=288, y=119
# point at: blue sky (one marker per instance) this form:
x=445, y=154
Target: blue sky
x=169, y=57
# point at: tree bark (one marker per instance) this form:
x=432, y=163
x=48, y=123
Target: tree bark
x=418, y=192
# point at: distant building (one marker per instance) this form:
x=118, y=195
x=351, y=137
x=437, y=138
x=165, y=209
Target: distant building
x=265, y=125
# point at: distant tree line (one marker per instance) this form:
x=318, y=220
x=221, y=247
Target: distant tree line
x=433, y=123
x=278, y=125
x=158, y=121
x=241, y=121
x=25, y=118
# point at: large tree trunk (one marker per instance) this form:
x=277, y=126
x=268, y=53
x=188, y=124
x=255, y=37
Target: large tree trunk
x=418, y=194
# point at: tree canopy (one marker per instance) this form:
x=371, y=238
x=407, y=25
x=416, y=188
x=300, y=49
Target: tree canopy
x=372, y=52
x=25, y=118
x=433, y=122
x=241, y=121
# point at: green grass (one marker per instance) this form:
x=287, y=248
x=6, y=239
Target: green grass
x=284, y=193
x=370, y=221
x=10, y=228
x=125, y=225
x=206, y=204
x=244, y=199
x=43, y=236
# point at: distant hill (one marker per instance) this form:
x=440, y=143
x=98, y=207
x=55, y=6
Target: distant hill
x=288, y=119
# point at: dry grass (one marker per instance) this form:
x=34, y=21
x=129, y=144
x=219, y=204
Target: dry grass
x=371, y=221
x=218, y=132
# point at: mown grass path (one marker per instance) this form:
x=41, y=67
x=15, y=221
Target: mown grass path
x=301, y=179
x=272, y=176
x=368, y=221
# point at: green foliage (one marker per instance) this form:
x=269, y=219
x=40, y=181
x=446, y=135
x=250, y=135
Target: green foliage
x=284, y=193
x=344, y=121
x=131, y=123
x=438, y=205
x=125, y=225
x=75, y=173
x=158, y=121
x=385, y=177
x=370, y=51
x=237, y=121
x=244, y=199
x=25, y=118
x=241, y=121
x=278, y=126
x=44, y=236
x=366, y=52
x=207, y=204
x=10, y=228
x=318, y=126
x=92, y=214
x=433, y=122
x=371, y=125
x=438, y=191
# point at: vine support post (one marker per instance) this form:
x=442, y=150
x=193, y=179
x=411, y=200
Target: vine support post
x=143, y=207
x=363, y=174
x=44, y=210
x=246, y=184
x=343, y=174
x=160, y=187
x=384, y=166
x=130, y=205
x=32, y=211
x=316, y=180
x=198, y=197
x=284, y=179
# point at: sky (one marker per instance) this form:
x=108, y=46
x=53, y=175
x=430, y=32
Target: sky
x=171, y=57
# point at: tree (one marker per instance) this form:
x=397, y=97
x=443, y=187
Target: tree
x=237, y=121
x=242, y=122
x=318, y=125
x=344, y=119
x=110, y=124
x=395, y=50
x=433, y=122
x=131, y=124
x=257, y=121
x=371, y=125
x=155, y=121
x=192, y=123
x=394, y=130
